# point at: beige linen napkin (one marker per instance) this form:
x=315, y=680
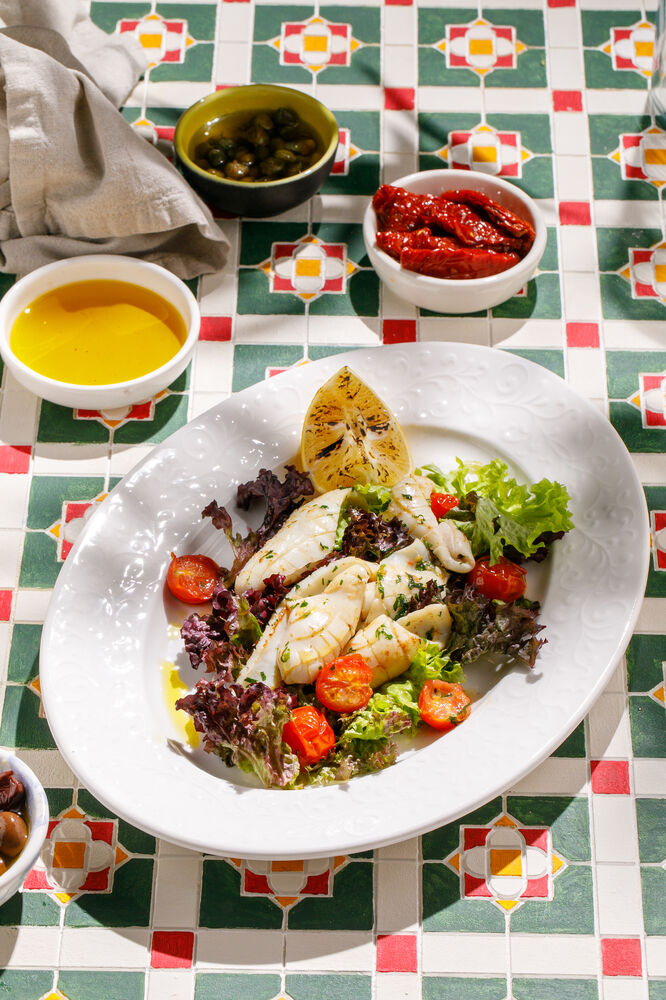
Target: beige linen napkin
x=77, y=178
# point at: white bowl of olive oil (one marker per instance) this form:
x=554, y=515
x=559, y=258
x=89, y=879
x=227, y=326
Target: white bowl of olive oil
x=99, y=331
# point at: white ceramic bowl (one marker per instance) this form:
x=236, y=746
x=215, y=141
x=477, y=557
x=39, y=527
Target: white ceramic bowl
x=90, y=268
x=38, y=813
x=458, y=295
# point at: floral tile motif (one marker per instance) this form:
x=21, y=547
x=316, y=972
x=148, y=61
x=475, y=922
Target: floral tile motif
x=618, y=48
x=642, y=156
x=505, y=862
x=356, y=166
x=631, y=262
x=288, y=882
x=483, y=148
x=308, y=268
x=632, y=48
x=480, y=46
x=165, y=40
x=636, y=387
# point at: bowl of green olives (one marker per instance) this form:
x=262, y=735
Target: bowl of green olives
x=256, y=150
x=24, y=820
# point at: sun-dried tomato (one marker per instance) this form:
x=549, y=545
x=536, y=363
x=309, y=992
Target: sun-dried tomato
x=501, y=215
x=461, y=262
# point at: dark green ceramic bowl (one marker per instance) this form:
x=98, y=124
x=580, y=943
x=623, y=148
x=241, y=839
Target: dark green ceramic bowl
x=265, y=198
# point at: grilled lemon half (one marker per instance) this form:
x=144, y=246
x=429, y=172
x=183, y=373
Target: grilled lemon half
x=350, y=436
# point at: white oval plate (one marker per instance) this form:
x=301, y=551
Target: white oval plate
x=106, y=629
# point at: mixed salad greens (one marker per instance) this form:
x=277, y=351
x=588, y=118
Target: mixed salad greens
x=344, y=724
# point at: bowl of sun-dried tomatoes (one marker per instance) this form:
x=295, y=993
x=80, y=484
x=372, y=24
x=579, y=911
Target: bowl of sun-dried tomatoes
x=454, y=241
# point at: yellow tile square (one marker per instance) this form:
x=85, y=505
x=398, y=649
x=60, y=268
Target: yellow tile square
x=287, y=866
x=654, y=155
x=505, y=862
x=151, y=41
x=308, y=267
x=315, y=43
x=644, y=49
x=480, y=46
x=660, y=273
x=484, y=154
x=68, y=854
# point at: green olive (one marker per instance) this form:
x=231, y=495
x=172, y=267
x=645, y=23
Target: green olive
x=302, y=146
x=264, y=121
x=216, y=158
x=236, y=171
x=201, y=150
x=13, y=834
x=285, y=116
x=247, y=156
x=286, y=155
x=271, y=167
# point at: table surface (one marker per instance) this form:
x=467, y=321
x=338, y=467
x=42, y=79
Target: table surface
x=553, y=96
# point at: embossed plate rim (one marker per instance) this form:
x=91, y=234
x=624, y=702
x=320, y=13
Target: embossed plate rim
x=97, y=642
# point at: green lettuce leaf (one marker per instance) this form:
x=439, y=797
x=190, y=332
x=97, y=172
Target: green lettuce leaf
x=506, y=513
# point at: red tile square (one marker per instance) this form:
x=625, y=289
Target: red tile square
x=610, y=777
x=399, y=331
x=621, y=957
x=575, y=213
x=15, y=458
x=215, y=328
x=396, y=953
x=172, y=950
x=398, y=3
x=561, y=3
x=567, y=100
x=582, y=335
x=5, y=605
x=399, y=98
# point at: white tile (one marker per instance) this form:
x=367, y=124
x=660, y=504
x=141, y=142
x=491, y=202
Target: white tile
x=338, y=97
x=400, y=132
x=553, y=955
x=201, y=402
x=619, y=899
x=563, y=28
x=232, y=60
x=18, y=416
x=82, y=459
x=213, y=366
x=173, y=93
x=171, y=984
x=450, y=99
x=538, y=333
x=124, y=458
x=234, y=949
x=14, y=490
x=556, y=776
x=639, y=334
x=176, y=893
x=393, y=307
x=29, y=947
x=397, y=986
x=11, y=547
x=618, y=680
x=586, y=371
x=623, y=989
x=651, y=616
x=235, y=22
x=482, y=954
x=578, y=248
x=336, y=951
x=255, y=329
x=399, y=65
x=218, y=293
x=5, y=637
x=396, y=896
x=615, y=835
x=516, y=100
x=461, y=330
x=400, y=26
x=104, y=948
x=572, y=178
x=49, y=767
x=655, y=953
x=609, y=727
x=581, y=296
x=565, y=68
x=405, y=850
x=31, y=605
x=166, y=849
x=396, y=165
x=344, y=330
x=650, y=468
x=649, y=777
x=623, y=102
x=627, y=214
x=342, y=208
x=570, y=133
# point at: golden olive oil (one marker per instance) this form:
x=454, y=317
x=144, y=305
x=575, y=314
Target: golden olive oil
x=97, y=332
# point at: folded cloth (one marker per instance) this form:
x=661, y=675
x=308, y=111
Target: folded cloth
x=78, y=179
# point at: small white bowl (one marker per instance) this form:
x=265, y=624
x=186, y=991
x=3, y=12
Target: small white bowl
x=458, y=295
x=94, y=267
x=38, y=816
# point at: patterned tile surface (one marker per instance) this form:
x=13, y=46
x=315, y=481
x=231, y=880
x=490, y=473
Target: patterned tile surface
x=555, y=889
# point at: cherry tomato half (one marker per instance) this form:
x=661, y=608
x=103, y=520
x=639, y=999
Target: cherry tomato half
x=192, y=579
x=443, y=705
x=308, y=734
x=504, y=581
x=344, y=685
x=442, y=503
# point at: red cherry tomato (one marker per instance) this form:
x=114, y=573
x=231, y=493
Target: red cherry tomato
x=344, y=685
x=504, y=581
x=192, y=579
x=308, y=734
x=443, y=705
x=442, y=503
